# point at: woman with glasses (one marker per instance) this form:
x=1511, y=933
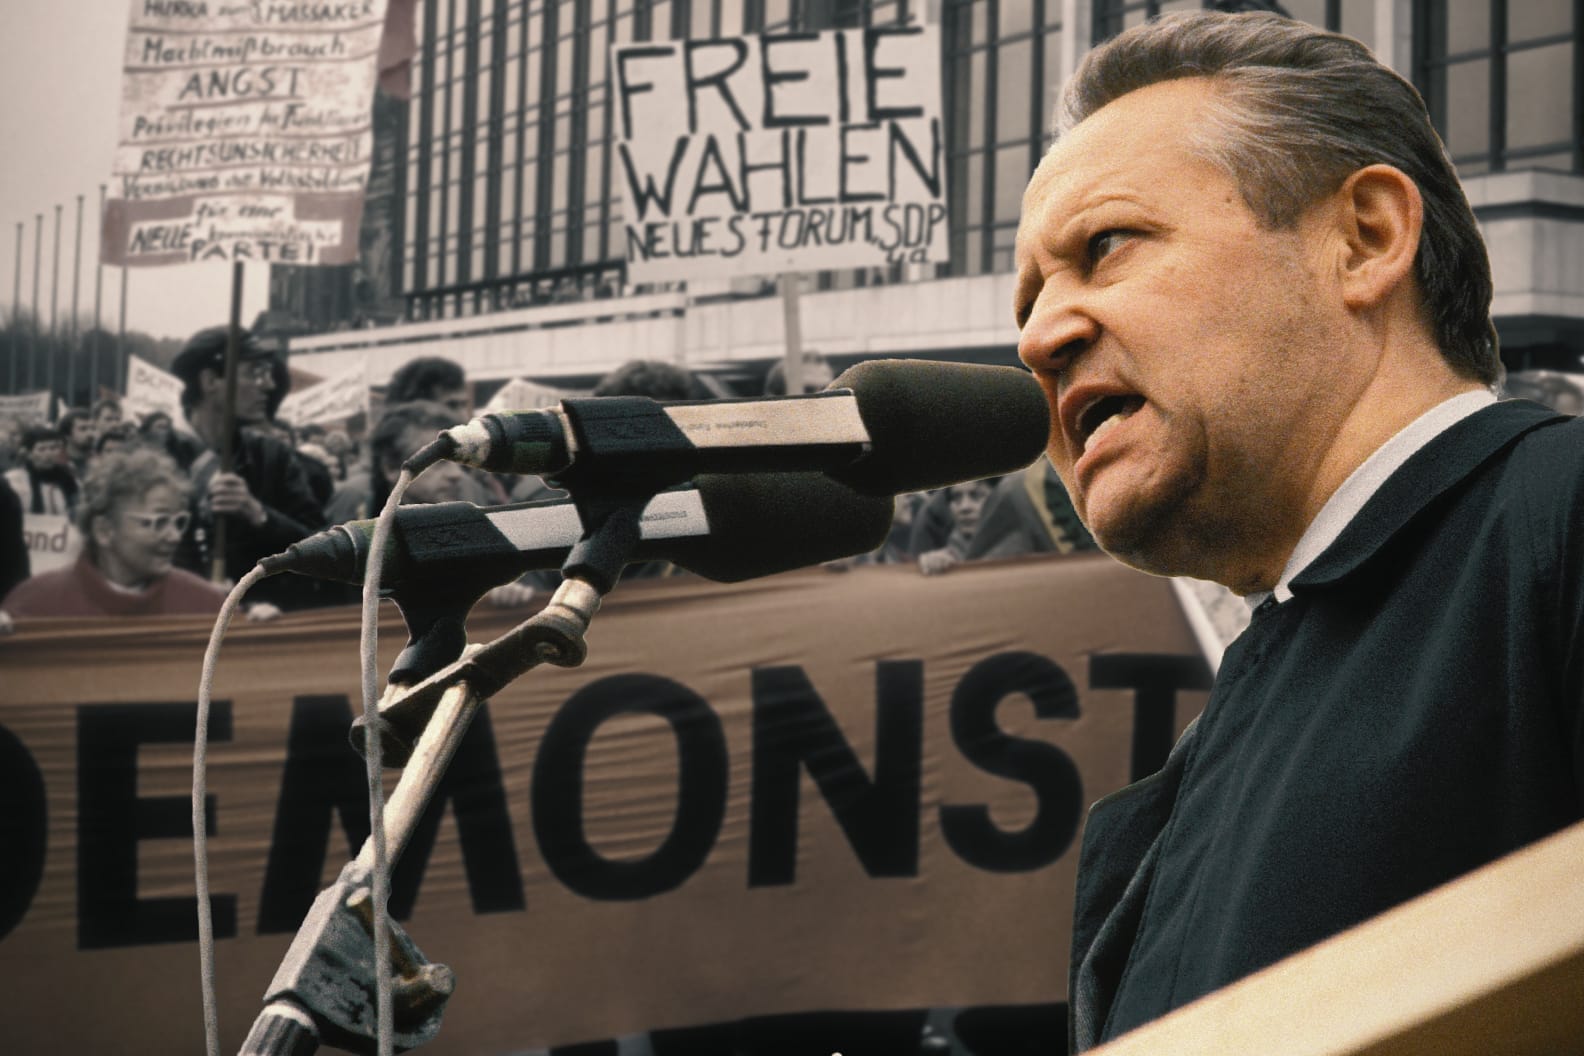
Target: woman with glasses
x=132, y=513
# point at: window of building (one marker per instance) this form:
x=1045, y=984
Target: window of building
x=998, y=78
x=1502, y=80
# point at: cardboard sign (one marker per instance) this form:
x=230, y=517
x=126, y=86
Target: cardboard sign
x=520, y=394
x=781, y=152
x=52, y=541
x=26, y=406
x=332, y=400
x=151, y=389
x=820, y=790
x=245, y=132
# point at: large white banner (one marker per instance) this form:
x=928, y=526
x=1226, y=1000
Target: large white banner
x=245, y=132
x=781, y=152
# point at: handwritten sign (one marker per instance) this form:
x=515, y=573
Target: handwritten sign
x=781, y=152
x=151, y=389
x=52, y=541
x=245, y=131
x=520, y=394
x=333, y=400
x=26, y=406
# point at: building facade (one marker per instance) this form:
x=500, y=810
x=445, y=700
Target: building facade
x=499, y=230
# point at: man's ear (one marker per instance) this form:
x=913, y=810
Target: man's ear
x=1382, y=214
x=209, y=379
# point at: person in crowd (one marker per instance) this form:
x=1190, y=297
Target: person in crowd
x=264, y=500
x=156, y=431
x=432, y=378
x=320, y=481
x=1029, y=513
x=341, y=448
x=15, y=564
x=106, y=414
x=10, y=442
x=132, y=515
x=44, y=481
x=817, y=374
x=403, y=429
x=77, y=428
x=440, y=380
x=965, y=502
x=1257, y=298
x=653, y=378
x=113, y=438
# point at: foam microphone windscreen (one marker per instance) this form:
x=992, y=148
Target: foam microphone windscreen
x=763, y=523
x=935, y=424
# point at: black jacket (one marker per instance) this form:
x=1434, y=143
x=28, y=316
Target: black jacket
x=1414, y=711
x=276, y=478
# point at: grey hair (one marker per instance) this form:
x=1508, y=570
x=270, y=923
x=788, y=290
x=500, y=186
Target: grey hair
x=1298, y=110
x=120, y=478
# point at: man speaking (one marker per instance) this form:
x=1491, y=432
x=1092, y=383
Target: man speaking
x=1257, y=300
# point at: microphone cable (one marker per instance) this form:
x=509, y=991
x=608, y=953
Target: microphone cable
x=368, y=650
x=373, y=746
x=200, y=792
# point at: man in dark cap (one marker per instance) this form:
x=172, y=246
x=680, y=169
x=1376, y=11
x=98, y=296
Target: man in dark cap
x=264, y=498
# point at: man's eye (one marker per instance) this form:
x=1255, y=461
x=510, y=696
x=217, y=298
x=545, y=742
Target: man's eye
x=1106, y=242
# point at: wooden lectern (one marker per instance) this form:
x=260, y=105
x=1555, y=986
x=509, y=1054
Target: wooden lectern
x=1491, y=964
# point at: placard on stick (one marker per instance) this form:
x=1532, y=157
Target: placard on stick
x=245, y=132
x=781, y=152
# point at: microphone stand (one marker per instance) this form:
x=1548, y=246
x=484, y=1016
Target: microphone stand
x=324, y=989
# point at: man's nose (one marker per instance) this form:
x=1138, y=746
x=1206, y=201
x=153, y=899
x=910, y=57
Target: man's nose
x=1058, y=330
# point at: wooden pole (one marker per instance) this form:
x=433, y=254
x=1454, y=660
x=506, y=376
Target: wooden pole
x=792, y=326
x=217, y=570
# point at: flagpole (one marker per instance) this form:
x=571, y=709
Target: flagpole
x=71, y=322
x=98, y=327
x=16, y=311
x=33, y=332
x=49, y=361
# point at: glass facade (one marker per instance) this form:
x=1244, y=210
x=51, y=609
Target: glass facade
x=507, y=182
x=1503, y=80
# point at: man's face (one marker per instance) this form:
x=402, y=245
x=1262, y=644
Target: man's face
x=82, y=434
x=255, y=381
x=47, y=454
x=1187, y=352
x=457, y=401
x=109, y=415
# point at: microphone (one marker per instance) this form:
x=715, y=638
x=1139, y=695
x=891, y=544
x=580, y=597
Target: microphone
x=883, y=427
x=727, y=528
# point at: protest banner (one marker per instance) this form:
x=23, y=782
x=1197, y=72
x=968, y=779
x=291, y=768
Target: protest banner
x=245, y=132
x=333, y=400
x=26, y=406
x=819, y=790
x=781, y=152
x=151, y=389
x=520, y=394
x=52, y=541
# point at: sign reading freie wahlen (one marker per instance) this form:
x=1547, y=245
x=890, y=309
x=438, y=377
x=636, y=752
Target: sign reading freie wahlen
x=780, y=152
x=245, y=131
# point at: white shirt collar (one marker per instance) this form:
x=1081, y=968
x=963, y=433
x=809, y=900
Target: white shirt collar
x=1363, y=482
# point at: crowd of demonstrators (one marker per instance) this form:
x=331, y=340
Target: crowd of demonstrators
x=288, y=482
